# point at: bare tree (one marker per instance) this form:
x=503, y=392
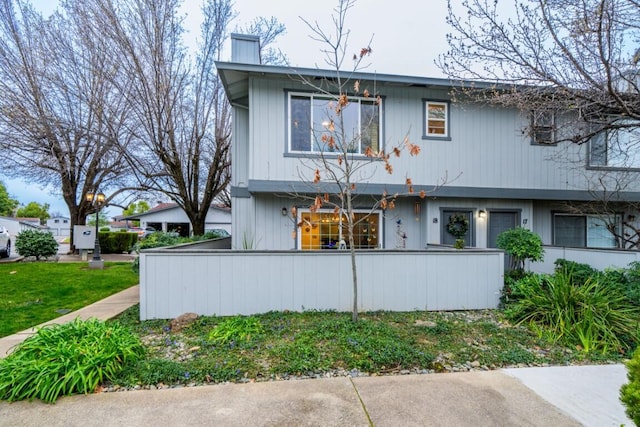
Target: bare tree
x=576, y=58
x=608, y=209
x=269, y=29
x=60, y=123
x=346, y=157
x=183, y=120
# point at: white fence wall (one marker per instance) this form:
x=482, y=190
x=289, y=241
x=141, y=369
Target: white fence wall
x=227, y=282
x=596, y=258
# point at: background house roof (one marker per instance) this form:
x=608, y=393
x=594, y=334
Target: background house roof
x=165, y=207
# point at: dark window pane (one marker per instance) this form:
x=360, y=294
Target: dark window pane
x=570, y=231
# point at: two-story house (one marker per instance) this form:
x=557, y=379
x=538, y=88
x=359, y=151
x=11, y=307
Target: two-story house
x=498, y=171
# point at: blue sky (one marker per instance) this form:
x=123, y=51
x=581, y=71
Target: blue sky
x=407, y=37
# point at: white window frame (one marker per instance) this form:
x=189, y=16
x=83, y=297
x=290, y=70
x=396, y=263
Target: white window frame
x=427, y=132
x=619, y=149
x=314, y=141
x=300, y=219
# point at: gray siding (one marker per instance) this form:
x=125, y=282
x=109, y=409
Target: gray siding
x=223, y=283
x=599, y=259
x=488, y=147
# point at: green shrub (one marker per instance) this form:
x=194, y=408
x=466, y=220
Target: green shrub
x=515, y=281
x=38, y=244
x=117, y=242
x=630, y=392
x=159, y=240
x=67, y=359
x=632, y=285
x=579, y=272
x=521, y=244
x=592, y=316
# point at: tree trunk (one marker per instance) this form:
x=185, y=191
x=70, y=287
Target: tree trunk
x=352, y=253
x=197, y=218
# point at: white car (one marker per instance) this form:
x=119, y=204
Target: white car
x=5, y=243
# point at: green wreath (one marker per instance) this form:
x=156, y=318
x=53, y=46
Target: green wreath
x=458, y=225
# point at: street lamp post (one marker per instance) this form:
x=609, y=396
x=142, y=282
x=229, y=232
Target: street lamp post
x=96, y=200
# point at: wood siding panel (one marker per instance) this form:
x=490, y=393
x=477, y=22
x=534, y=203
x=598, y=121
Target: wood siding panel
x=247, y=282
x=599, y=259
x=488, y=146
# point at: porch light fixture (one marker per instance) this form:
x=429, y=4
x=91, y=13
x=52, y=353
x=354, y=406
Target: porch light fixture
x=284, y=211
x=482, y=213
x=97, y=200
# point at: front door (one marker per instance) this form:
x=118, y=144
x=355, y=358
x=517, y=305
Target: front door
x=450, y=239
x=500, y=221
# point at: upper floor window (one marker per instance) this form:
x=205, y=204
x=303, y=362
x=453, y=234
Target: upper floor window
x=316, y=126
x=436, y=119
x=542, y=127
x=56, y=221
x=616, y=148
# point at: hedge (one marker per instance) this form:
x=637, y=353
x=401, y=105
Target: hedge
x=117, y=242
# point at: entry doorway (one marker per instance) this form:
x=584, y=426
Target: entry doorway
x=450, y=239
x=499, y=221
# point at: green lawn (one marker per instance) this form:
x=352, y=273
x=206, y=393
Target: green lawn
x=34, y=292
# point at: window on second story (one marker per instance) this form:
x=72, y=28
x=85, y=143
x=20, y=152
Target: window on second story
x=616, y=148
x=436, y=119
x=542, y=127
x=313, y=120
x=56, y=221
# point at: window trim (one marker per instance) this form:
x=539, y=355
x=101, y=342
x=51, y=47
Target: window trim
x=605, y=135
x=535, y=128
x=289, y=152
x=306, y=211
x=425, y=120
x=586, y=216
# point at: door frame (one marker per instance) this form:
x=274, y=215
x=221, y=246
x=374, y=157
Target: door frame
x=472, y=222
x=516, y=211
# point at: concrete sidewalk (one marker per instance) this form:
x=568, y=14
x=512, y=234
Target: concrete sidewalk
x=492, y=398
x=554, y=396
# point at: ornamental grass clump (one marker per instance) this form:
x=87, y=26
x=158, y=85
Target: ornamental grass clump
x=67, y=359
x=591, y=316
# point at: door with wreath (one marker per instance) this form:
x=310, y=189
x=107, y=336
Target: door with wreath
x=454, y=222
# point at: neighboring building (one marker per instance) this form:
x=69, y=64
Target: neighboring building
x=499, y=175
x=16, y=225
x=169, y=217
x=59, y=226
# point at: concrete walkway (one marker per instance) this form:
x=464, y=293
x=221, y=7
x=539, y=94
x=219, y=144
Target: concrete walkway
x=555, y=396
